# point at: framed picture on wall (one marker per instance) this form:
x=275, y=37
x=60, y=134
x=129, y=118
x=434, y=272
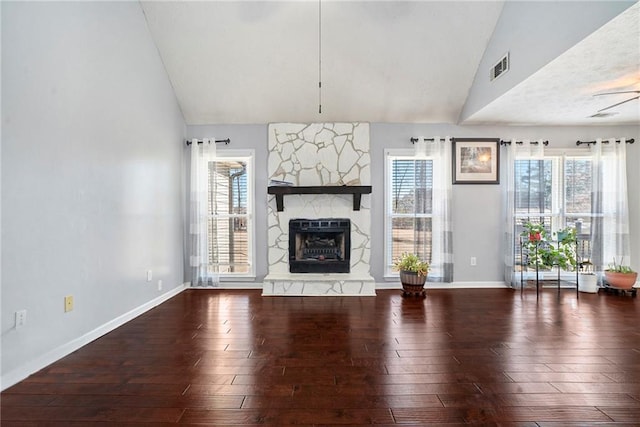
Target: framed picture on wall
x=476, y=160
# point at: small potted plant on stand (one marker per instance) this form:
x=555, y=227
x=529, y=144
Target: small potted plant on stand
x=621, y=277
x=565, y=258
x=534, y=232
x=413, y=273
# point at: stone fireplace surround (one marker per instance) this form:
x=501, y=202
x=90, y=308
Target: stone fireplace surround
x=319, y=154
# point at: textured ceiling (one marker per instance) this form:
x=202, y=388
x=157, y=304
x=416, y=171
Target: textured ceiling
x=402, y=61
x=563, y=91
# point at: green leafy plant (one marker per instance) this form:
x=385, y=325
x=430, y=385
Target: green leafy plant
x=546, y=253
x=619, y=268
x=411, y=262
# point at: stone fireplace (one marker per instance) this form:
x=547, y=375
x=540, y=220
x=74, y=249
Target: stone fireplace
x=319, y=155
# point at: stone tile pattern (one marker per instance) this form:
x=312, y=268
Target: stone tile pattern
x=319, y=154
x=312, y=287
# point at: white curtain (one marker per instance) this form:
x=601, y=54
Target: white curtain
x=420, y=148
x=202, y=273
x=514, y=151
x=610, y=227
x=441, y=238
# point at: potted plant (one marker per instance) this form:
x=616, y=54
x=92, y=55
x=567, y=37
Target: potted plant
x=413, y=273
x=587, y=279
x=566, y=236
x=544, y=252
x=620, y=276
x=534, y=232
x=565, y=256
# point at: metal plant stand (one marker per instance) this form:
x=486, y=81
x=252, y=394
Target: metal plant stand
x=522, y=264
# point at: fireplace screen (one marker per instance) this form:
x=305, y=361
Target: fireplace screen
x=319, y=245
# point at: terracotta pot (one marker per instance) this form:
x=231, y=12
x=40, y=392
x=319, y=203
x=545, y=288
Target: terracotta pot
x=620, y=280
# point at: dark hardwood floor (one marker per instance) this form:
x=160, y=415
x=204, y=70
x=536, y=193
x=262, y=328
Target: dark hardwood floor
x=462, y=356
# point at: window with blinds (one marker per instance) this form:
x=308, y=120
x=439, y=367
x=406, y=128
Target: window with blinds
x=229, y=208
x=554, y=191
x=578, y=194
x=409, y=208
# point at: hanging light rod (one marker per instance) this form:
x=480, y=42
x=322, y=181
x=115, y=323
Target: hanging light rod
x=605, y=141
x=218, y=141
x=319, y=56
x=545, y=143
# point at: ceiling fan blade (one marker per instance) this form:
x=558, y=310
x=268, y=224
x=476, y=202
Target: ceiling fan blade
x=601, y=115
x=615, y=93
x=619, y=103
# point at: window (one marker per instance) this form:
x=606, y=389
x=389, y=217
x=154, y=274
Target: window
x=555, y=191
x=409, y=207
x=230, y=214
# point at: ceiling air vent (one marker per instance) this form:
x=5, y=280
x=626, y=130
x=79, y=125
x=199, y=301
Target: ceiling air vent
x=500, y=68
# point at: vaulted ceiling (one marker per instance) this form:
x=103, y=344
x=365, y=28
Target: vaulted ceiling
x=378, y=61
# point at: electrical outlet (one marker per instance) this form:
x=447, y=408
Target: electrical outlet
x=474, y=261
x=21, y=318
x=68, y=303
x=159, y=285
x=149, y=275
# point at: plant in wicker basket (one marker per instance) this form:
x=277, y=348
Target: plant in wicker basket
x=413, y=273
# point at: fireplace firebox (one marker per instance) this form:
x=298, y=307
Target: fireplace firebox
x=319, y=245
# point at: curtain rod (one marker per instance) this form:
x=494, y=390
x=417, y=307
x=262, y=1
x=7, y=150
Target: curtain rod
x=414, y=140
x=502, y=142
x=605, y=141
x=218, y=141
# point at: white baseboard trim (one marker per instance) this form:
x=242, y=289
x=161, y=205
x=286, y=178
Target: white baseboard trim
x=379, y=285
x=22, y=372
x=452, y=285
x=480, y=285
x=229, y=285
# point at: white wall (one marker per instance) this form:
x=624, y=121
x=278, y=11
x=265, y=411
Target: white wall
x=91, y=174
x=534, y=33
